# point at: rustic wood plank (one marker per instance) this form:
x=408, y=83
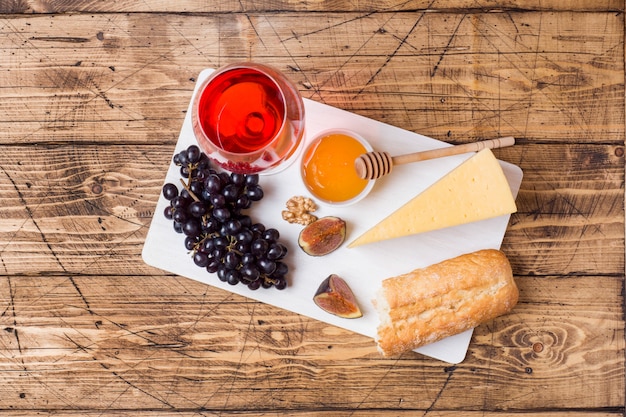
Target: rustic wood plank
x=316, y=413
x=199, y=6
x=86, y=209
x=176, y=344
x=499, y=74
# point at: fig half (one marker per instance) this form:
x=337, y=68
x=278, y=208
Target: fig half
x=322, y=236
x=334, y=296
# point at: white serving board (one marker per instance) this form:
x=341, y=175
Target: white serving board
x=363, y=267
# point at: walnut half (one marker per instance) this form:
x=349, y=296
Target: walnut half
x=299, y=210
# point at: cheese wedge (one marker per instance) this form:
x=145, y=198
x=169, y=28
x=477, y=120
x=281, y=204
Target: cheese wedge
x=475, y=190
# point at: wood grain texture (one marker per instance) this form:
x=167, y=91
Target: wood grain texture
x=92, y=98
x=74, y=209
x=200, y=6
x=454, y=77
x=178, y=344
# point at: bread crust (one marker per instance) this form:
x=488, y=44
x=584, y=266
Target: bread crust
x=444, y=299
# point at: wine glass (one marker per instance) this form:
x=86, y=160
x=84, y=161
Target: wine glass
x=248, y=118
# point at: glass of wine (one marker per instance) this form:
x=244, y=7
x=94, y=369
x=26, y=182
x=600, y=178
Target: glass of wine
x=248, y=118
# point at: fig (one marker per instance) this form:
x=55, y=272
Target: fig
x=334, y=296
x=322, y=236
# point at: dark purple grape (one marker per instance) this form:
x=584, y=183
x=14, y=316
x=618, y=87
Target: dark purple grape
x=225, y=178
x=255, y=285
x=201, y=259
x=180, y=216
x=250, y=272
x=248, y=259
x=182, y=158
x=238, y=179
x=193, y=154
x=244, y=236
x=217, y=200
x=196, y=187
x=190, y=242
x=276, y=251
x=259, y=247
x=233, y=226
x=197, y=209
x=208, y=245
x=242, y=247
x=233, y=277
x=246, y=221
x=254, y=192
x=266, y=266
x=270, y=235
x=168, y=213
x=243, y=202
x=192, y=228
x=232, y=260
x=178, y=227
x=213, y=183
x=221, y=242
x=218, y=253
x=213, y=265
x=252, y=179
x=170, y=191
x=222, y=273
x=231, y=192
x=221, y=213
x=258, y=228
x=281, y=270
x=210, y=225
x=179, y=202
x=280, y=283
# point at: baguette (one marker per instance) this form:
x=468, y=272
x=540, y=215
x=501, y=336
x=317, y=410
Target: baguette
x=444, y=299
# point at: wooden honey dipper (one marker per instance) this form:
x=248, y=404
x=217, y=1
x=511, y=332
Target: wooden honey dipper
x=373, y=165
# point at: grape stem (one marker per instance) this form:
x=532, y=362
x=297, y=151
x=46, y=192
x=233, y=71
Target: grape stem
x=182, y=181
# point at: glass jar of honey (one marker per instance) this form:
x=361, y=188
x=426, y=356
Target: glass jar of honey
x=328, y=167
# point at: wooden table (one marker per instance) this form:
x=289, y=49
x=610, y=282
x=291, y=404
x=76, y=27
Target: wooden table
x=92, y=98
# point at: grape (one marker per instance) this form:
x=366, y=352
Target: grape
x=238, y=179
x=254, y=285
x=193, y=154
x=254, y=193
x=201, y=259
x=170, y=191
x=223, y=239
x=233, y=277
x=221, y=242
x=252, y=179
x=197, y=209
x=213, y=183
x=276, y=251
x=266, y=266
x=213, y=265
x=196, y=187
x=180, y=216
x=217, y=200
x=221, y=213
x=280, y=283
x=259, y=247
x=231, y=192
x=245, y=236
x=233, y=226
x=231, y=260
x=168, y=213
x=192, y=228
x=190, y=243
x=271, y=235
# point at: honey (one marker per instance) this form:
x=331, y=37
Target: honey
x=328, y=167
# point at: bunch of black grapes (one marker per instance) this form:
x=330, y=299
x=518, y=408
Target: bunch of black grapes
x=209, y=209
